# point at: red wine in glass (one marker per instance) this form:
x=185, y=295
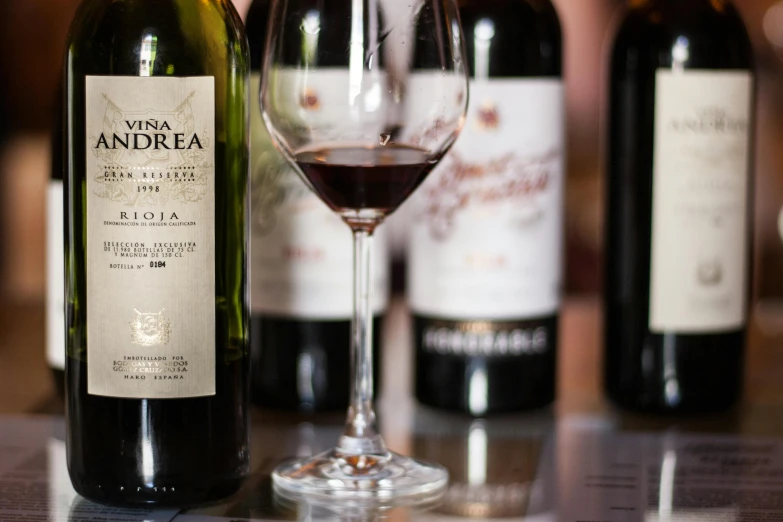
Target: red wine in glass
x=355, y=178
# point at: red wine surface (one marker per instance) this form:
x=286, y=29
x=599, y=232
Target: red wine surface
x=359, y=178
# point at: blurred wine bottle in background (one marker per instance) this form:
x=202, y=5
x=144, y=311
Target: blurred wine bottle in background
x=678, y=224
x=301, y=262
x=486, y=243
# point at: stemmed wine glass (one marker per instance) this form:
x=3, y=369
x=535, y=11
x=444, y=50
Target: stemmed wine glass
x=363, y=99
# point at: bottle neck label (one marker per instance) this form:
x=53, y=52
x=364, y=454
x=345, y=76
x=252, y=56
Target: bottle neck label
x=150, y=248
x=699, y=245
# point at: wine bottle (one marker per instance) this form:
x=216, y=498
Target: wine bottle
x=301, y=277
x=55, y=255
x=678, y=225
x=157, y=367
x=486, y=243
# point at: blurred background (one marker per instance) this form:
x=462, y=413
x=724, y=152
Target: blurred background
x=34, y=32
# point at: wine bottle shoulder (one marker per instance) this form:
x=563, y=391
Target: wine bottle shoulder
x=519, y=37
x=705, y=35
x=256, y=27
x=180, y=37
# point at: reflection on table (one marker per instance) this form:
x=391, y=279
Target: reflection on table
x=528, y=468
x=579, y=460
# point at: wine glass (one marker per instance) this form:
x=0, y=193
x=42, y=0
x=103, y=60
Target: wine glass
x=298, y=507
x=364, y=102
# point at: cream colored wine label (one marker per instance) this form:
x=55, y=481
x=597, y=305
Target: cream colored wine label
x=150, y=249
x=699, y=272
x=486, y=239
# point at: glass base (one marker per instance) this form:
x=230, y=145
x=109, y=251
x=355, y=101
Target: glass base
x=373, y=478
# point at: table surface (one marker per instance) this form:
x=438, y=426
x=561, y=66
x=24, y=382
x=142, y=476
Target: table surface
x=447, y=438
x=26, y=385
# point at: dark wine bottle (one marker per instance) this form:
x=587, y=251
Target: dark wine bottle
x=678, y=224
x=157, y=367
x=55, y=255
x=301, y=277
x=486, y=245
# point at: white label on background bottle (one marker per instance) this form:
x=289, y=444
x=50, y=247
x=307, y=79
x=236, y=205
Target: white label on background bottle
x=698, y=280
x=55, y=277
x=301, y=251
x=486, y=242
x=151, y=236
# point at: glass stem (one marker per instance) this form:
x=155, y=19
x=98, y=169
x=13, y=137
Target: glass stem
x=361, y=433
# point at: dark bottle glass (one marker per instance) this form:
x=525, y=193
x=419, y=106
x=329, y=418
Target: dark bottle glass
x=678, y=224
x=55, y=255
x=301, y=283
x=486, y=244
x=157, y=367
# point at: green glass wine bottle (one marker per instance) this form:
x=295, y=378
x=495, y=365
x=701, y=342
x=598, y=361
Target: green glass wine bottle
x=157, y=367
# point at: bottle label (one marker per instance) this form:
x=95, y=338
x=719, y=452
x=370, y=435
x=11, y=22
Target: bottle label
x=55, y=277
x=486, y=238
x=486, y=338
x=150, y=236
x=301, y=251
x=699, y=259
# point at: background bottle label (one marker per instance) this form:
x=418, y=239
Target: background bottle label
x=486, y=338
x=699, y=272
x=150, y=236
x=301, y=251
x=486, y=239
x=55, y=277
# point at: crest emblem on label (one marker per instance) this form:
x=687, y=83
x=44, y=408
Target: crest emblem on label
x=310, y=100
x=710, y=273
x=488, y=118
x=150, y=329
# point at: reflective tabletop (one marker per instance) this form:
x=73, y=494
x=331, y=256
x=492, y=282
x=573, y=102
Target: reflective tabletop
x=579, y=460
